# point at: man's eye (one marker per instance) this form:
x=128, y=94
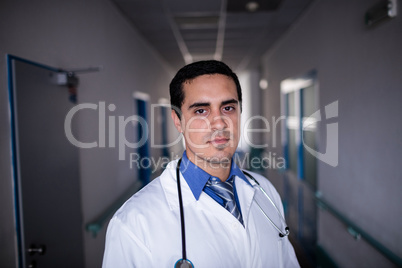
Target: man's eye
x=200, y=111
x=228, y=108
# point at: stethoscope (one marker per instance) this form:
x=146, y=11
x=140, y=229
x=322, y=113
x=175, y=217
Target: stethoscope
x=184, y=262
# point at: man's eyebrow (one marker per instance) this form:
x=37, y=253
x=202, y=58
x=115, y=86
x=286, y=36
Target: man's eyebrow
x=204, y=104
x=229, y=102
x=199, y=104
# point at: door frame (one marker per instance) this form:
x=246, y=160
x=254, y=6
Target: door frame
x=18, y=212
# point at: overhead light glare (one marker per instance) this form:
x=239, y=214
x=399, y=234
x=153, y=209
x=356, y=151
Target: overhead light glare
x=252, y=6
x=263, y=84
x=197, y=22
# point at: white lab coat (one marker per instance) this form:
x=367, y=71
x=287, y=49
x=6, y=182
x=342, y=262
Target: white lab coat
x=146, y=232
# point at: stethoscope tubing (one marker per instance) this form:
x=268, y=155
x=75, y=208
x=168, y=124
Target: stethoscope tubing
x=183, y=228
x=182, y=223
x=281, y=234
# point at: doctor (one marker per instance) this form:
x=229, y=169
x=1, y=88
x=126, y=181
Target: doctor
x=216, y=216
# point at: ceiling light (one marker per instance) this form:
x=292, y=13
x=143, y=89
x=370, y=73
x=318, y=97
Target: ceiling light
x=197, y=22
x=263, y=84
x=252, y=6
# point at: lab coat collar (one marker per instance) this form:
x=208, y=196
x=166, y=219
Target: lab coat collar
x=168, y=181
x=195, y=177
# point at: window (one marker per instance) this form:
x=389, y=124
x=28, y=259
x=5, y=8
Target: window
x=140, y=101
x=298, y=104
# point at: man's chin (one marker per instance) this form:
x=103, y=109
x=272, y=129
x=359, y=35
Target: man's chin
x=219, y=160
x=213, y=159
x=220, y=147
x=220, y=156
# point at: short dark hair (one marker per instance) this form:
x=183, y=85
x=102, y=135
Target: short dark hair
x=194, y=70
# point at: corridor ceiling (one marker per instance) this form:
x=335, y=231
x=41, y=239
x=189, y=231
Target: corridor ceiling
x=237, y=32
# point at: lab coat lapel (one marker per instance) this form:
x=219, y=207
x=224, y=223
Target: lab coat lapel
x=245, y=194
x=169, y=186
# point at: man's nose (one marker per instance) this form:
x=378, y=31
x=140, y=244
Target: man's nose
x=218, y=122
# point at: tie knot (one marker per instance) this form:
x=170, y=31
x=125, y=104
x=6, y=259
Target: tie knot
x=215, y=180
x=223, y=188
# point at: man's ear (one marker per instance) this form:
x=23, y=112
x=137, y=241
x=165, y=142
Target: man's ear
x=177, y=122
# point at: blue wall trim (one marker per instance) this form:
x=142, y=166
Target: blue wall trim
x=300, y=159
x=14, y=163
x=12, y=57
x=286, y=143
x=144, y=174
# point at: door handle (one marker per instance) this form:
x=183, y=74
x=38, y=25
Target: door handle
x=32, y=264
x=33, y=249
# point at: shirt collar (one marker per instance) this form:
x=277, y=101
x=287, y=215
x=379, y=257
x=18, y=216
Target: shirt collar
x=196, y=177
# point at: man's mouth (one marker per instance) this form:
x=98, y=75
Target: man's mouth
x=220, y=141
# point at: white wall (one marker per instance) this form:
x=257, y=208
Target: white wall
x=78, y=34
x=361, y=68
x=251, y=106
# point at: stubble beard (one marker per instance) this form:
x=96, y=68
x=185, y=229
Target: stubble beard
x=216, y=161
x=220, y=158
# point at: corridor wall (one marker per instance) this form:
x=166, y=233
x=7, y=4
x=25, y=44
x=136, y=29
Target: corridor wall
x=360, y=67
x=71, y=35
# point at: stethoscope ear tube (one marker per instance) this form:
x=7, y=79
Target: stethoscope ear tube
x=251, y=177
x=281, y=234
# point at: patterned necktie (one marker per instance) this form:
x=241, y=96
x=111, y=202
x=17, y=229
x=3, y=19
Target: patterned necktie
x=224, y=190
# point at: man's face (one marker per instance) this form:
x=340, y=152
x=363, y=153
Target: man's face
x=210, y=118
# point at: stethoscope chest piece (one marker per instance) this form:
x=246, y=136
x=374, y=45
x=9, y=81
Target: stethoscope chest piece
x=182, y=263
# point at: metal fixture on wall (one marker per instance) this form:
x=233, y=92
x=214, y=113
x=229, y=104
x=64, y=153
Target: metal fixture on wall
x=70, y=79
x=383, y=10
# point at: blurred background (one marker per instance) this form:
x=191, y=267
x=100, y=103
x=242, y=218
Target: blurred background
x=322, y=97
